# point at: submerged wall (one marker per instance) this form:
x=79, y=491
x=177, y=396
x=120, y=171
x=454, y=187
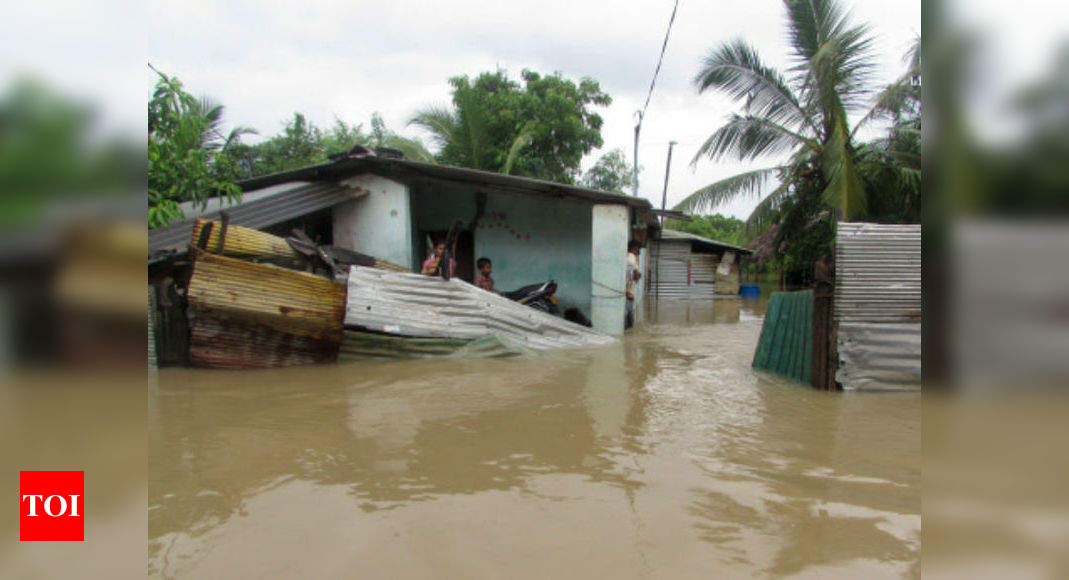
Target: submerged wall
x=529, y=239
x=378, y=224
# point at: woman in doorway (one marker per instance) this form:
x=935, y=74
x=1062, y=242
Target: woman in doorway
x=432, y=265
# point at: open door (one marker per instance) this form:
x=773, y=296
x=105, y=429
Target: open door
x=465, y=256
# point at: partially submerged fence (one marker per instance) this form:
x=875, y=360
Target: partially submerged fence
x=866, y=334
x=786, y=343
x=878, y=306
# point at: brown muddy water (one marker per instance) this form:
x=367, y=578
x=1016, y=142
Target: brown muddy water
x=663, y=456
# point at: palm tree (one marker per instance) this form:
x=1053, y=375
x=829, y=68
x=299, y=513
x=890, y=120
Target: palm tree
x=804, y=112
x=382, y=137
x=462, y=134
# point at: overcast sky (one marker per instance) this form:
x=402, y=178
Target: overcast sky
x=264, y=60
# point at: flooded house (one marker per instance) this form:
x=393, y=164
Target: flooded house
x=393, y=210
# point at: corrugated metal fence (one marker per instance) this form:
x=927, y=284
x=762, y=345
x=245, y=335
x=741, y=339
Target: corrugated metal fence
x=786, y=343
x=878, y=306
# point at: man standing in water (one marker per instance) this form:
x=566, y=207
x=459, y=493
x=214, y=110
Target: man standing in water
x=633, y=274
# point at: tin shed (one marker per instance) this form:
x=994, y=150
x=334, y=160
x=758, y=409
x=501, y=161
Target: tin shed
x=684, y=265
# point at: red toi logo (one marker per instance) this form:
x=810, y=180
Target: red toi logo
x=51, y=506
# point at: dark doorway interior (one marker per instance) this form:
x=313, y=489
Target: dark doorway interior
x=465, y=253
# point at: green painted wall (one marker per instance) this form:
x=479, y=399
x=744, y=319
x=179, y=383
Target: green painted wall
x=528, y=239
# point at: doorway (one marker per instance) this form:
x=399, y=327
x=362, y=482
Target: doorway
x=464, y=253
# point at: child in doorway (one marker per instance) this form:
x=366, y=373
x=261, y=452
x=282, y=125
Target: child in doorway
x=483, y=280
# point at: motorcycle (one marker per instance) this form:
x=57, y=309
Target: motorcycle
x=538, y=296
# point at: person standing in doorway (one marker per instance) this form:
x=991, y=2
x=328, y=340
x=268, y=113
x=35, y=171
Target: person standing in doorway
x=432, y=265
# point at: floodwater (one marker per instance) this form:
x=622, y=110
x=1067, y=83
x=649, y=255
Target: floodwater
x=664, y=456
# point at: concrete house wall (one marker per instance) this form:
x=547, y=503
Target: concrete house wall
x=378, y=224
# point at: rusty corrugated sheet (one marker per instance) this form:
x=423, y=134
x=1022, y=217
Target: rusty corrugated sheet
x=878, y=305
x=248, y=315
x=243, y=242
x=225, y=343
x=286, y=300
x=414, y=305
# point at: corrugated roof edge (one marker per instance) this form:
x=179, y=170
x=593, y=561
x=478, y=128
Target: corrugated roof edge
x=667, y=234
x=403, y=169
x=262, y=208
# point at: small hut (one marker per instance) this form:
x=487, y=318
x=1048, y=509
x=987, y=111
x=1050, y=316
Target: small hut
x=685, y=265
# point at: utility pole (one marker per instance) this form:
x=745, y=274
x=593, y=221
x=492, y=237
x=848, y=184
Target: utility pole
x=634, y=169
x=667, y=168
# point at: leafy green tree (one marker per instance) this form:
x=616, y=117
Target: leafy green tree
x=804, y=113
x=611, y=172
x=382, y=137
x=184, y=138
x=716, y=227
x=541, y=128
x=302, y=143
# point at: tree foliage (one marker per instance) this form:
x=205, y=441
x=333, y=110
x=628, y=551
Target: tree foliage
x=539, y=128
x=191, y=159
x=611, y=172
x=301, y=143
x=716, y=227
x=184, y=140
x=805, y=113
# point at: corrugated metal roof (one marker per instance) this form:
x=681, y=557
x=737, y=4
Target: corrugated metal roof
x=405, y=170
x=675, y=235
x=878, y=306
x=414, y=305
x=258, y=209
x=286, y=300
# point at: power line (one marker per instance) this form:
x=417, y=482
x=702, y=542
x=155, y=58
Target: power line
x=660, y=60
x=641, y=114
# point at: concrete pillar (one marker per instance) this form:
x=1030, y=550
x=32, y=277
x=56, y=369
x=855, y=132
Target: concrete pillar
x=378, y=224
x=609, y=234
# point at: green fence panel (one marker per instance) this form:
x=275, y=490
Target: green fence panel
x=786, y=343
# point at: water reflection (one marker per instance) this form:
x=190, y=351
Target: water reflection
x=662, y=455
